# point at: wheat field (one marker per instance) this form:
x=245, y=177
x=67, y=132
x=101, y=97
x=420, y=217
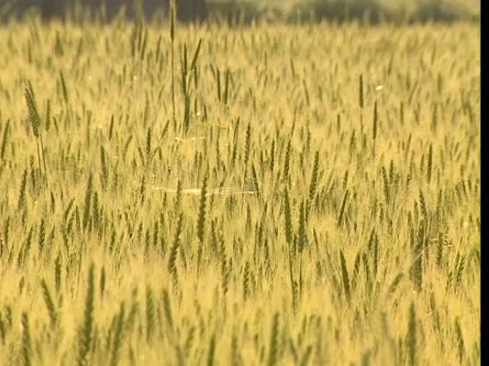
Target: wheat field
x=266, y=195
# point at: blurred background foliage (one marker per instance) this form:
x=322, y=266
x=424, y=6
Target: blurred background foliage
x=247, y=11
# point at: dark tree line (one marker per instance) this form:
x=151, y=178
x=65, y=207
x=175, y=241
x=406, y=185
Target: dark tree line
x=242, y=11
x=187, y=10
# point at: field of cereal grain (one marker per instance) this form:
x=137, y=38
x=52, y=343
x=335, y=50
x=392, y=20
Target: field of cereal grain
x=270, y=195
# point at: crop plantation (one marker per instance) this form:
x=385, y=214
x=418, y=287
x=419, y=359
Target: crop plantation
x=262, y=195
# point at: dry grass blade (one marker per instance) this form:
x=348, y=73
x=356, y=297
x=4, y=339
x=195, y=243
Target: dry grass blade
x=198, y=191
